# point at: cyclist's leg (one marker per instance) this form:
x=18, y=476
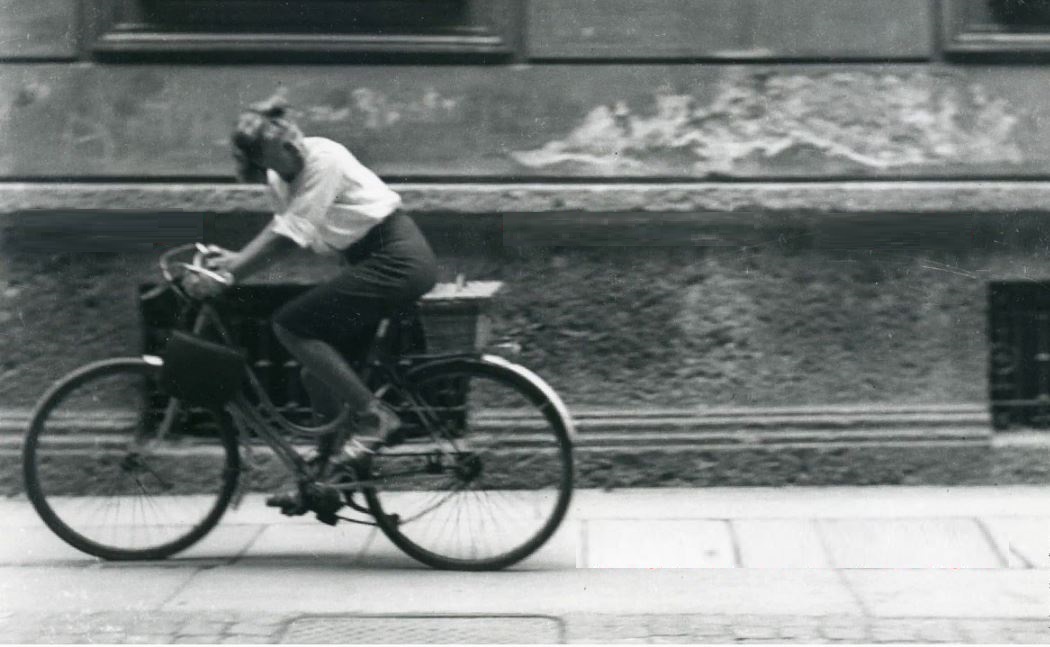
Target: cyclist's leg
x=324, y=404
x=335, y=383
x=333, y=380
x=398, y=270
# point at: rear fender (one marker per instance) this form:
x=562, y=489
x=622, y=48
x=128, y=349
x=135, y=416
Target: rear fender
x=541, y=385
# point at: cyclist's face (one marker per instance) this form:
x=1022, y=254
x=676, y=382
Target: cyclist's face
x=278, y=154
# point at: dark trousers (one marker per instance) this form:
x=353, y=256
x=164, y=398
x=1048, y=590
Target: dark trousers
x=386, y=271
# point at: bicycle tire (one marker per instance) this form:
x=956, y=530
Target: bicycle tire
x=500, y=446
x=99, y=418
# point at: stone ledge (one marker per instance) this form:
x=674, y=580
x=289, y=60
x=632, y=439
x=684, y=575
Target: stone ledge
x=467, y=198
x=653, y=427
x=833, y=445
x=630, y=466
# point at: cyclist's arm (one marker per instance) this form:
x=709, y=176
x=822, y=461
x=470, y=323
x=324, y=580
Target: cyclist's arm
x=296, y=223
x=265, y=248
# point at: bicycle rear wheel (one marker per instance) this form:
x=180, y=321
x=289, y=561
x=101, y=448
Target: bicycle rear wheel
x=117, y=475
x=486, y=478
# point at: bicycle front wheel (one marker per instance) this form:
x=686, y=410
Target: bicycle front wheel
x=486, y=476
x=121, y=471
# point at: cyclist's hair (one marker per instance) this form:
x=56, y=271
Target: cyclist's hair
x=247, y=137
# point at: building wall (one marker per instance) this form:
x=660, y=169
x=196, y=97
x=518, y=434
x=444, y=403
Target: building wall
x=664, y=300
x=826, y=121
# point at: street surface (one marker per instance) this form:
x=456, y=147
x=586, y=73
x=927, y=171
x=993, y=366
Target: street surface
x=872, y=564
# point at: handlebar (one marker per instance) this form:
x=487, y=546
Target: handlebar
x=172, y=277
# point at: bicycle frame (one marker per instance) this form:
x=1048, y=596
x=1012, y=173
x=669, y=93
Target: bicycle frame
x=480, y=436
x=253, y=411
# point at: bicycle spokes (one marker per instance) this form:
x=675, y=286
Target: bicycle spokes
x=113, y=481
x=488, y=481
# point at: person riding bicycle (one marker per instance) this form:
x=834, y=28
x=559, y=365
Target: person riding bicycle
x=328, y=202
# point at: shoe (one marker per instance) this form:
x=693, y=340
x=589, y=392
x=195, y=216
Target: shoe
x=378, y=427
x=290, y=502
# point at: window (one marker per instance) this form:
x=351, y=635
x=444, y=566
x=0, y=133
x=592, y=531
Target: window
x=1019, y=358
x=997, y=27
x=279, y=28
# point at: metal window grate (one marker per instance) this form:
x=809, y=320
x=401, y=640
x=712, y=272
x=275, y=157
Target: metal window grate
x=424, y=630
x=1019, y=357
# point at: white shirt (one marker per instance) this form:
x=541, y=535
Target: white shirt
x=334, y=200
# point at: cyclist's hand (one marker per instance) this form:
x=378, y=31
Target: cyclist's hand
x=199, y=286
x=218, y=258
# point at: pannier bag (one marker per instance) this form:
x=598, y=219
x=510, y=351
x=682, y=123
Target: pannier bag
x=201, y=372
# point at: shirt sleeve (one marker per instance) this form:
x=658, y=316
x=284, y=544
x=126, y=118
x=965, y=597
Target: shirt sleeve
x=308, y=205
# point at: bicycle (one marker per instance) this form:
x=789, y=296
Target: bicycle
x=139, y=457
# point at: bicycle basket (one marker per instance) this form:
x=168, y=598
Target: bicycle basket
x=201, y=372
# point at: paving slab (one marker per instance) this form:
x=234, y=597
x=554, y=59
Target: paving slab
x=714, y=628
x=998, y=593
x=223, y=627
x=725, y=503
x=17, y=511
x=258, y=564
x=132, y=626
x=95, y=588
x=274, y=588
x=341, y=546
x=564, y=550
x=348, y=545
x=38, y=545
x=779, y=543
x=908, y=543
x=225, y=541
x=658, y=543
x=843, y=502
x=1025, y=541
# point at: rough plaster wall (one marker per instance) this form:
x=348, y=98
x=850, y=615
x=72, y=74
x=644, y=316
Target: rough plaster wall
x=60, y=310
x=691, y=328
x=864, y=119
x=809, y=313
x=68, y=295
x=623, y=120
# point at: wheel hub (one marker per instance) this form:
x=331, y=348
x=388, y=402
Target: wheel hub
x=131, y=462
x=468, y=467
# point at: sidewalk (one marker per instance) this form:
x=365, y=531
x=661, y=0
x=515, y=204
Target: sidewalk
x=878, y=564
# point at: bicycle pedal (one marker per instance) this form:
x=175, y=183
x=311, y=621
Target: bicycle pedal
x=293, y=510
x=329, y=518
x=289, y=505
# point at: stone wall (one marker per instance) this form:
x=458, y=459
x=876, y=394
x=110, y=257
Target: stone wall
x=792, y=310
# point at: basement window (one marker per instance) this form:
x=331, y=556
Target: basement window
x=997, y=28
x=1019, y=357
